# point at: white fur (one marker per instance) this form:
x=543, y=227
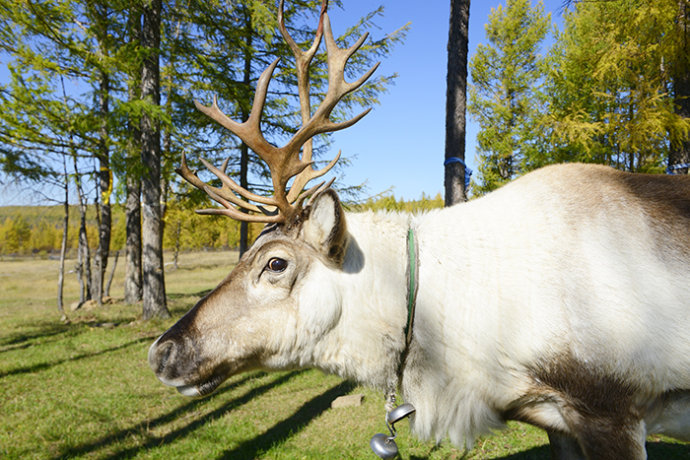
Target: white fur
x=536, y=270
x=505, y=281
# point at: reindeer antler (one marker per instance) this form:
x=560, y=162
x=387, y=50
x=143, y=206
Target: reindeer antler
x=285, y=162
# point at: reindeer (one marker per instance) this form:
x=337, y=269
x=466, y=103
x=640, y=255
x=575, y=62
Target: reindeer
x=560, y=300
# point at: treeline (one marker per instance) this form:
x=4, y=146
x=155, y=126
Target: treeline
x=98, y=104
x=612, y=88
x=37, y=230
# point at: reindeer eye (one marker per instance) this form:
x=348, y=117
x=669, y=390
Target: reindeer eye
x=277, y=264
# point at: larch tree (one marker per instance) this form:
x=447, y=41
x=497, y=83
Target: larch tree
x=610, y=85
x=132, y=165
x=153, y=295
x=230, y=45
x=455, y=168
x=504, y=93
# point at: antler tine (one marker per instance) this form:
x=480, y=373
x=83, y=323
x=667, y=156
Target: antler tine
x=250, y=130
x=232, y=185
x=303, y=57
x=284, y=162
x=191, y=177
x=307, y=175
x=337, y=89
x=235, y=213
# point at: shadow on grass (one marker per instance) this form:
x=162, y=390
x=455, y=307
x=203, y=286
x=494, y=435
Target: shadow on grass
x=43, y=366
x=187, y=429
x=146, y=425
x=35, y=330
x=292, y=425
x=535, y=453
x=655, y=450
x=26, y=339
x=668, y=450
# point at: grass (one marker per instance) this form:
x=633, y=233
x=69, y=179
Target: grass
x=84, y=389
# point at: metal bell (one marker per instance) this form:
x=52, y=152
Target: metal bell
x=399, y=413
x=384, y=446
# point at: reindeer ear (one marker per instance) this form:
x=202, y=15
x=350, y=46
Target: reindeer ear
x=324, y=226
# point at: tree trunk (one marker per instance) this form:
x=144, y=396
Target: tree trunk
x=244, y=183
x=63, y=245
x=133, y=284
x=105, y=188
x=84, y=254
x=456, y=101
x=112, y=274
x=679, y=155
x=244, y=150
x=178, y=233
x=152, y=228
x=133, y=287
x=99, y=11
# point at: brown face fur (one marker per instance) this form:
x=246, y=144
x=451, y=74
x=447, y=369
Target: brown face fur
x=251, y=315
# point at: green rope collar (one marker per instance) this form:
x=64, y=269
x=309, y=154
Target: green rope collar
x=412, y=284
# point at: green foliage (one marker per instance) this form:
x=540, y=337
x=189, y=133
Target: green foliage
x=505, y=93
x=388, y=202
x=603, y=94
x=609, y=84
x=61, y=51
x=38, y=229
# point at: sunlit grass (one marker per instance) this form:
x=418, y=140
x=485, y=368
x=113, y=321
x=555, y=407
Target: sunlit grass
x=84, y=389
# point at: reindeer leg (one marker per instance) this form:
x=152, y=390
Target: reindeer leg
x=564, y=447
x=612, y=439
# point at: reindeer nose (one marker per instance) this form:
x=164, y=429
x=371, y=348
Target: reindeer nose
x=160, y=354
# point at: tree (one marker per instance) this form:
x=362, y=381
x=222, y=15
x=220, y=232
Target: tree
x=679, y=155
x=51, y=42
x=98, y=13
x=154, y=300
x=132, y=168
x=456, y=99
x=610, y=85
x=504, y=92
x=229, y=51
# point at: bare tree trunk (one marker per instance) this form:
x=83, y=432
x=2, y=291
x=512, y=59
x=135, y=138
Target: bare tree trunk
x=112, y=274
x=84, y=253
x=152, y=225
x=63, y=245
x=456, y=101
x=244, y=226
x=105, y=188
x=133, y=283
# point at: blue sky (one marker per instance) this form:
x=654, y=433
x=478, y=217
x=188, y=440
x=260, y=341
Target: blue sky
x=400, y=144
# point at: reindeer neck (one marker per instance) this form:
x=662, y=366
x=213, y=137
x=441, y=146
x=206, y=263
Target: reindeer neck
x=373, y=283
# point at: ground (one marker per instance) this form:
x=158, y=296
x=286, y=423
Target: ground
x=84, y=389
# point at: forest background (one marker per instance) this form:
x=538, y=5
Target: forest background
x=610, y=87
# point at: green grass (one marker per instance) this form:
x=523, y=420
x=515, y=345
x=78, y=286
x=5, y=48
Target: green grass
x=84, y=389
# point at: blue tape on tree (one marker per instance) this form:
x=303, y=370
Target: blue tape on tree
x=670, y=168
x=468, y=171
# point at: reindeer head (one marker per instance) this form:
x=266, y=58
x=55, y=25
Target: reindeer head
x=272, y=308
